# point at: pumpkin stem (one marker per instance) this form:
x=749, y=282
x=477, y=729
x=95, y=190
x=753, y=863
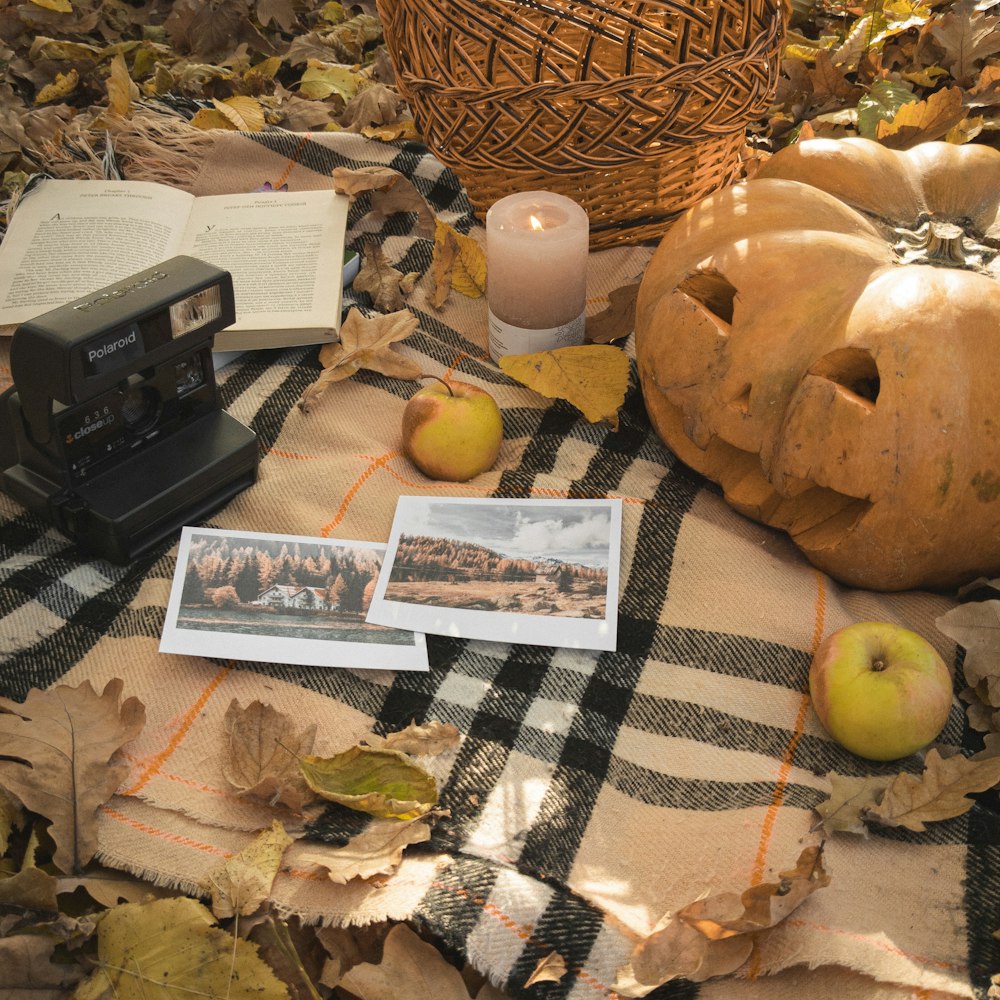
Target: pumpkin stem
x=945, y=244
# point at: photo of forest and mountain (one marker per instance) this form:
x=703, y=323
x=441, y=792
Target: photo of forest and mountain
x=290, y=589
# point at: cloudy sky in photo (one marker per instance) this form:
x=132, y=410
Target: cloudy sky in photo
x=570, y=532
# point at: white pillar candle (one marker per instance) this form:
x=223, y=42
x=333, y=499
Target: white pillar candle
x=536, y=272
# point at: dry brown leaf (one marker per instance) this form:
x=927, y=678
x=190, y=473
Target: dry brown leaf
x=428, y=740
x=391, y=192
x=364, y=343
x=975, y=626
x=458, y=262
x=384, y=283
x=61, y=88
x=714, y=936
x=593, y=377
x=849, y=798
x=377, y=850
x=968, y=36
x=261, y=754
x=58, y=747
x=410, y=963
x=32, y=969
x=375, y=104
x=617, y=320
x=922, y=121
x=939, y=793
x=242, y=883
x=403, y=130
x=549, y=969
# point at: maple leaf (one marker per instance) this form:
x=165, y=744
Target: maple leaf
x=593, y=377
x=383, y=783
x=260, y=759
x=458, y=262
x=57, y=751
x=939, y=793
x=714, y=936
x=364, y=343
x=242, y=883
x=849, y=798
x=377, y=850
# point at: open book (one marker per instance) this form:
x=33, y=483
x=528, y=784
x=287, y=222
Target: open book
x=285, y=251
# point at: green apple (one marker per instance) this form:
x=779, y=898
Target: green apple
x=880, y=690
x=452, y=430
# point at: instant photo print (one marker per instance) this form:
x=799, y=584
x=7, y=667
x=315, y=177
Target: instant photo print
x=113, y=429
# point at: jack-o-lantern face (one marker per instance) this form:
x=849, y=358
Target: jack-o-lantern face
x=824, y=342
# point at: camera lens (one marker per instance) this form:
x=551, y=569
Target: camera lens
x=140, y=408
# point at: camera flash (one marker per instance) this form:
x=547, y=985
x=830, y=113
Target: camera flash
x=195, y=311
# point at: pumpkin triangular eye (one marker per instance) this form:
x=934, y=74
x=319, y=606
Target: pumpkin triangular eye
x=854, y=370
x=713, y=292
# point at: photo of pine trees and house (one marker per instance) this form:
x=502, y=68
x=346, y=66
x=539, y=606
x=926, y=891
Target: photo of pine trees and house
x=551, y=561
x=294, y=590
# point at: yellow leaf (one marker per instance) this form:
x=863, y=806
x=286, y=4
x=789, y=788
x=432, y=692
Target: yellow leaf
x=59, y=6
x=245, y=113
x=922, y=121
x=243, y=882
x=459, y=262
x=63, y=85
x=319, y=81
x=121, y=90
x=209, y=118
x=383, y=783
x=593, y=377
x=404, y=130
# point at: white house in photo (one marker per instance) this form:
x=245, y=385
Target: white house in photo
x=283, y=596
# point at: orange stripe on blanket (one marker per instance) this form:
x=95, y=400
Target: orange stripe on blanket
x=294, y=455
x=182, y=730
x=159, y=834
x=293, y=161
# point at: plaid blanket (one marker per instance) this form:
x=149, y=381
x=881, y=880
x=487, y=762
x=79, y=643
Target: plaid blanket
x=592, y=793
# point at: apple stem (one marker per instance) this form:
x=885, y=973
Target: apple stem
x=444, y=382
x=878, y=664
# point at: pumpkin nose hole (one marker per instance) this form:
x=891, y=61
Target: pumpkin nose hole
x=851, y=368
x=713, y=291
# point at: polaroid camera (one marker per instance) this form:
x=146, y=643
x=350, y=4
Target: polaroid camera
x=113, y=429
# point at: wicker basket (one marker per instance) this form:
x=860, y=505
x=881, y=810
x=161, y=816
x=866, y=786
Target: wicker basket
x=637, y=109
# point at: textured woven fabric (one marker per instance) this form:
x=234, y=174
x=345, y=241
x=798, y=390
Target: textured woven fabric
x=591, y=792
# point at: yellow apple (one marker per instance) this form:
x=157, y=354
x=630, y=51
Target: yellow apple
x=452, y=430
x=880, y=690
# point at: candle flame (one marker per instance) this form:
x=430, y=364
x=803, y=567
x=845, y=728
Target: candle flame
x=536, y=224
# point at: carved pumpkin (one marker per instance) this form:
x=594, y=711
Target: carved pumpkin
x=823, y=341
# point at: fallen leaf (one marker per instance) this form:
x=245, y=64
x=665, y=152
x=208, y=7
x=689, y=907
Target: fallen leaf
x=171, y=948
x=939, y=793
x=364, y=343
x=377, y=850
x=262, y=751
x=975, y=626
x=384, y=283
x=428, y=740
x=409, y=965
x=320, y=80
x=849, y=798
x=375, y=104
x=121, y=90
x=245, y=113
x=968, y=36
x=617, y=320
x=714, y=936
x=403, y=130
x=458, y=262
x=243, y=882
x=384, y=783
x=63, y=85
x=549, y=969
x=31, y=967
x=390, y=191
x=57, y=749
x=593, y=377
x=922, y=121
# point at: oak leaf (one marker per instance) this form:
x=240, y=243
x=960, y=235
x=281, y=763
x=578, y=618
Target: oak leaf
x=850, y=798
x=57, y=752
x=409, y=965
x=593, y=377
x=260, y=758
x=377, y=850
x=617, y=320
x=384, y=283
x=714, y=936
x=968, y=36
x=458, y=262
x=171, y=949
x=939, y=793
x=975, y=626
x=364, y=343
x=243, y=882
x=383, y=783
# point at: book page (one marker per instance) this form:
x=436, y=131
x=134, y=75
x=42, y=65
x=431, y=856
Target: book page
x=284, y=250
x=69, y=238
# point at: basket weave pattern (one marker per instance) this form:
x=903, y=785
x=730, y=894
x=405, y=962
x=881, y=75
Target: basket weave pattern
x=637, y=109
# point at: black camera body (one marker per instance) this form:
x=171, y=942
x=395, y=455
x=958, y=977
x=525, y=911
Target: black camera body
x=113, y=429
